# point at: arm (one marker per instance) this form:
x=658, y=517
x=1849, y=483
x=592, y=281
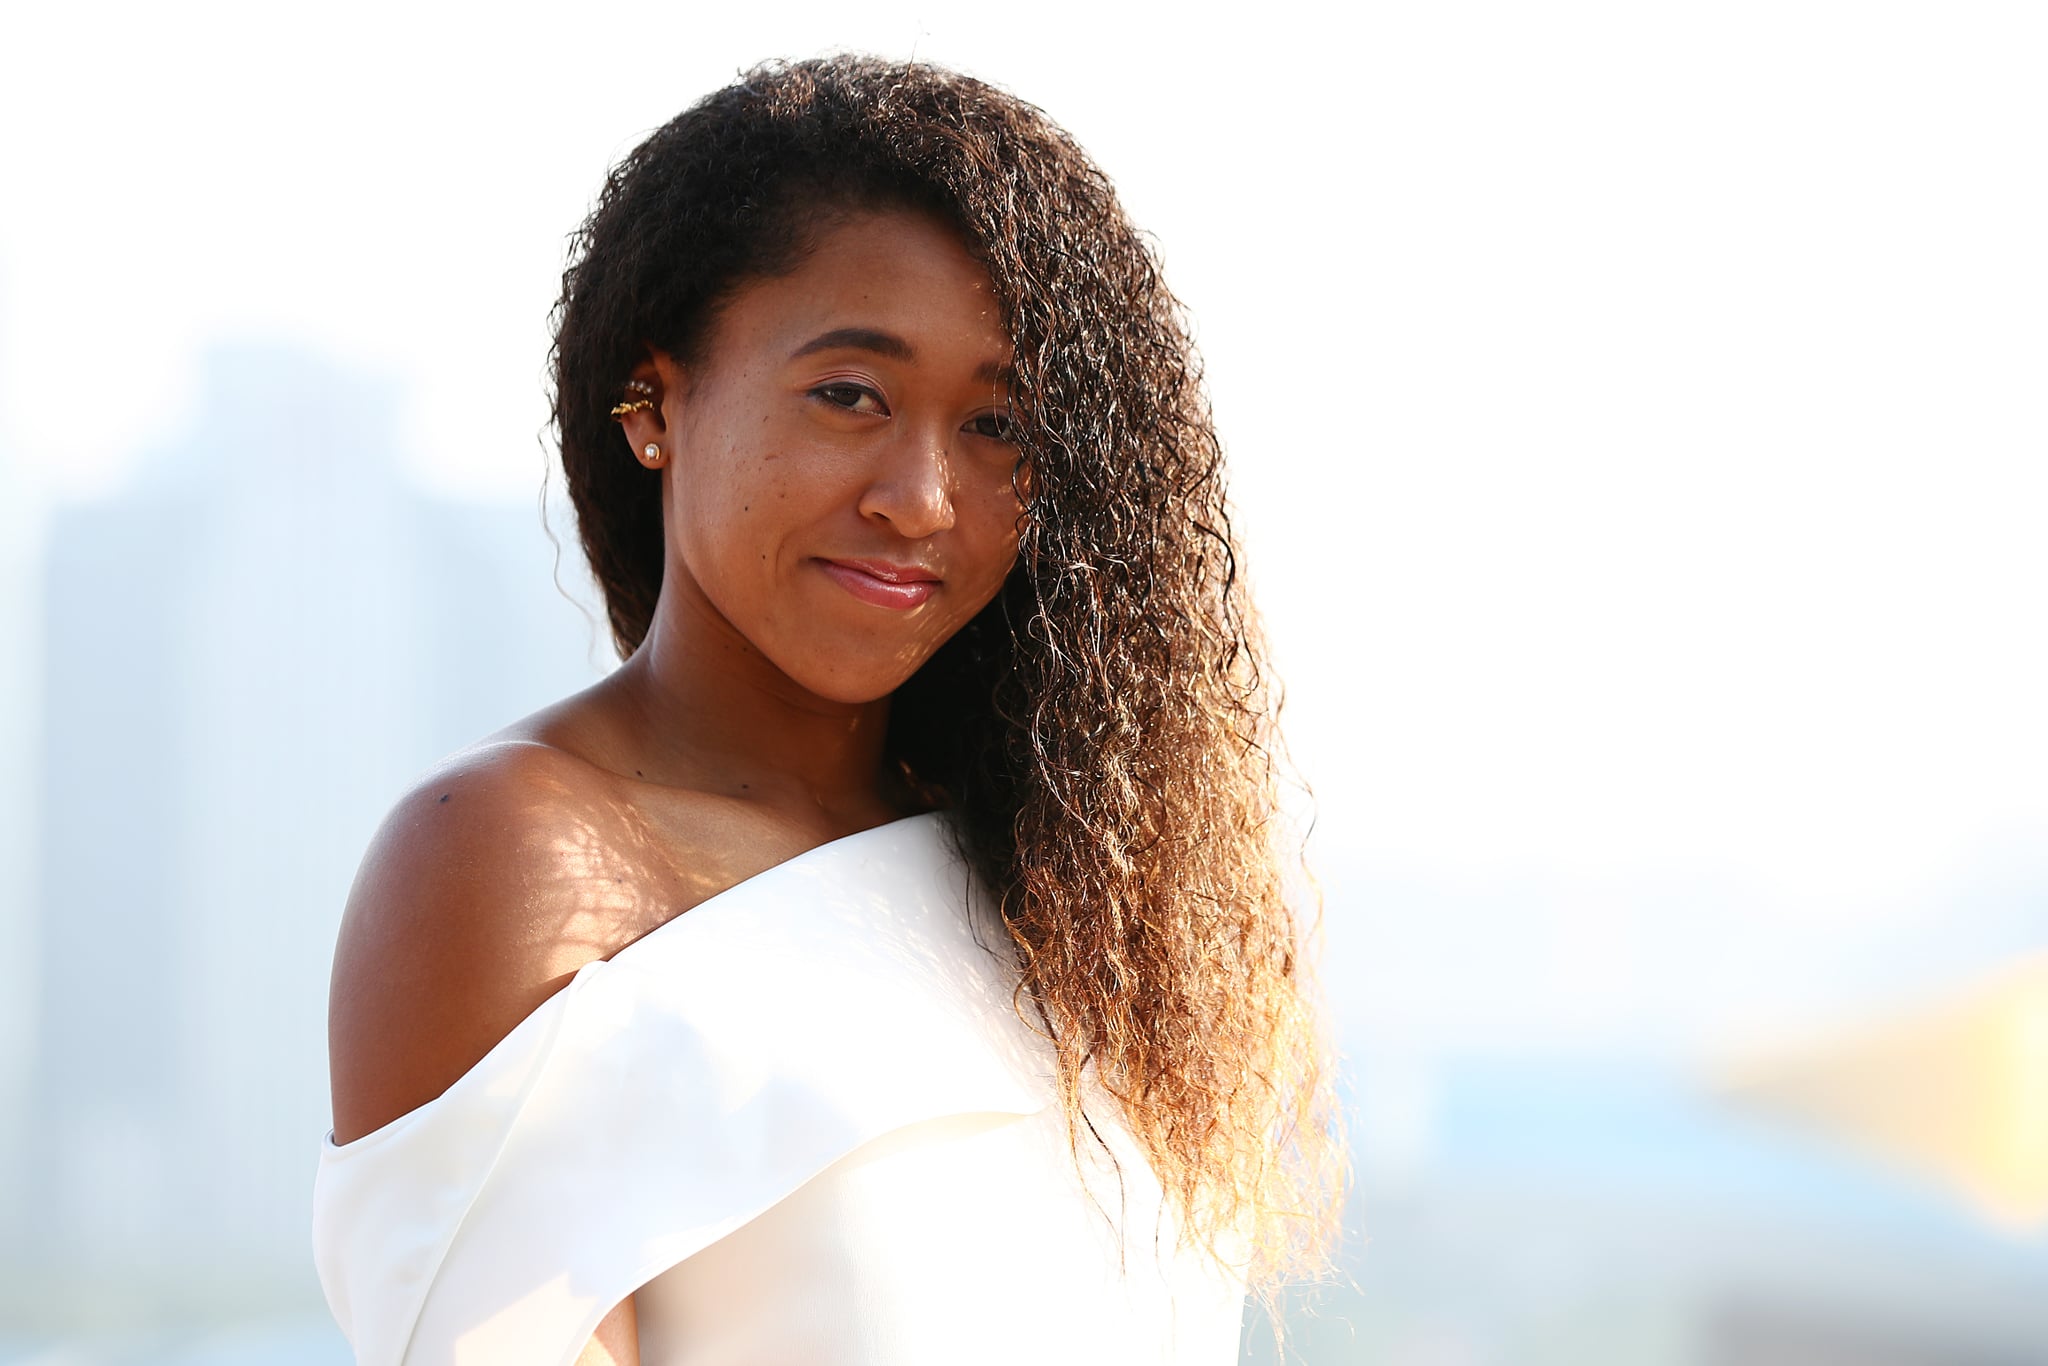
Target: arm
x=617, y=1340
x=484, y=890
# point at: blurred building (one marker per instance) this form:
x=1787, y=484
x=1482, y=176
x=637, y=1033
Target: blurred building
x=19, y=676
x=246, y=656
x=1595, y=1211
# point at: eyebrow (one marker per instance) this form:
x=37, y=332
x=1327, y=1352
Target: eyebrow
x=886, y=344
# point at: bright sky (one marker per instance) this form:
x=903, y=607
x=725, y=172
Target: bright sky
x=1638, y=411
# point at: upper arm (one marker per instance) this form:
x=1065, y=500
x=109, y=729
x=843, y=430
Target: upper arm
x=617, y=1339
x=485, y=888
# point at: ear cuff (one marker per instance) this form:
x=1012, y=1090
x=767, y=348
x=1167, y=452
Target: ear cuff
x=644, y=402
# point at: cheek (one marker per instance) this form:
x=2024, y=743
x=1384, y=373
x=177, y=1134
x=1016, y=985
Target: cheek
x=733, y=501
x=992, y=525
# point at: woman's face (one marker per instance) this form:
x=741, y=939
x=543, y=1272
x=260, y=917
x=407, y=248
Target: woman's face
x=840, y=478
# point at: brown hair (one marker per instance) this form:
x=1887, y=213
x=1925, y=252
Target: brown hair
x=1104, y=732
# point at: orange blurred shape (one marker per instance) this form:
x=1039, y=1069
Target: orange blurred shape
x=1956, y=1088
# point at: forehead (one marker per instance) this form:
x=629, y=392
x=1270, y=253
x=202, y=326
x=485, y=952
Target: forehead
x=897, y=272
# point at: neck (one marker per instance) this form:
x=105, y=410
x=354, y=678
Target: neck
x=710, y=711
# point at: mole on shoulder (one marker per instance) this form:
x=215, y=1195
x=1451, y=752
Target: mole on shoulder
x=444, y=796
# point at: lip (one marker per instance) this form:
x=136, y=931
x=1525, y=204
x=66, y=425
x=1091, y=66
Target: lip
x=882, y=583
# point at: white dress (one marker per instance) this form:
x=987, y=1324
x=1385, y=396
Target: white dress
x=805, y=1123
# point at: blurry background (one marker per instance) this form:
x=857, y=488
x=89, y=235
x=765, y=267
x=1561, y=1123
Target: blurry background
x=1638, y=423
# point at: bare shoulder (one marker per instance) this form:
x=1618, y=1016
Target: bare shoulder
x=497, y=876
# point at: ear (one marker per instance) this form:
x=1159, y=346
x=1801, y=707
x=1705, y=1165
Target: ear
x=1024, y=483
x=657, y=380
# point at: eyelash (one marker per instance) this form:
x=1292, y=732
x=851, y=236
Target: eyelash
x=845, y=386
x=1007, y=428
x=1008, y=433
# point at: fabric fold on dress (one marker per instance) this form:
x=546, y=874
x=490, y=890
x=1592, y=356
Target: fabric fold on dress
x=671, y=1094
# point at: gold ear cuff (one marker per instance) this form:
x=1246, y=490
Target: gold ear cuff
x=640, y=404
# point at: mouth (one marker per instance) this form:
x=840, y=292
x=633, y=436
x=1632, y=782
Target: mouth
x=881, y=583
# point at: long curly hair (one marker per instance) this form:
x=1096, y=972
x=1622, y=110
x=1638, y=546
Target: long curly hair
x=1104, y=732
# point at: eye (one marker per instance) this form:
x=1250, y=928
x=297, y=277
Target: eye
x=994, y=426
x=850, y=396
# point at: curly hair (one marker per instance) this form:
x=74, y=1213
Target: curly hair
x=1104, y=732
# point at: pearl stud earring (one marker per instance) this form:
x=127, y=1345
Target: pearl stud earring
x=653, y=453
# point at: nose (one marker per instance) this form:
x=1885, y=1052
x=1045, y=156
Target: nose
x=911, y=485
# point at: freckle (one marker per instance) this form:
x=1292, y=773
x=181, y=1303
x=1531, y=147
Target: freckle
x=746, y=507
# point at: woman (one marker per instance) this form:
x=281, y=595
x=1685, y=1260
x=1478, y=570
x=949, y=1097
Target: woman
x=888, y=962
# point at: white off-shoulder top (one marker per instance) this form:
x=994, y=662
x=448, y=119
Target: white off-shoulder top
x=805, y=1123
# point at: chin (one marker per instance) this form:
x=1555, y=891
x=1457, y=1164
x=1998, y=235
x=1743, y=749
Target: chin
x=854, y=687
